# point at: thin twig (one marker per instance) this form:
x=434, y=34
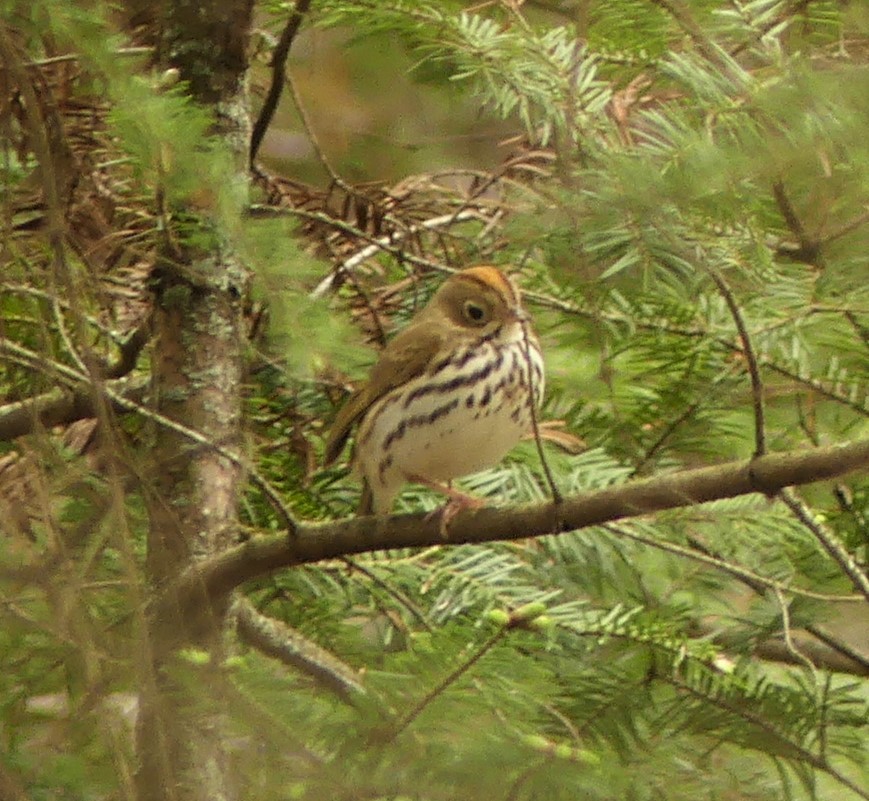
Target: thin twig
x=67, y=57
x=278, y=65
x=669, y=429
x=554, y=492
x=861, y=330
x=828, y=541
x=451, y=678
x=788, y=636
x=846, y=228
x=700, y=554
x=750, y=358
x=391, y=591
x=383, y=243
x=704, y=44
x=337, y=180
x=790, y=10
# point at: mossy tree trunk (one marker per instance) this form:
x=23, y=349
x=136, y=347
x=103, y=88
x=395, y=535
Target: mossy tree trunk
x=197, y=363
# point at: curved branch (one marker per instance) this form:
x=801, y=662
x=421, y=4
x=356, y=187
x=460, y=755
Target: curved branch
x=751, y=360
x=278, y=65
x=213, y=579
x=276, y=639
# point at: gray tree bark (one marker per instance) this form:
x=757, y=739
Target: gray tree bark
x=196, y=381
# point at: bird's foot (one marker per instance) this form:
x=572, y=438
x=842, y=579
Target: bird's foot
x=457, y=502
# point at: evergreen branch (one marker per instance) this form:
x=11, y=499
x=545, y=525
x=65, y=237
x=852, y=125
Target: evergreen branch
x=670, y=428
x=755, y=720
x=833, y=659
x=567, y=307
x=706, y=46
x=790, y=10
x=278, y=66
x=743, y=574
x=466, y=577
x=828, y=540
x=842, y=657
x=449, y=679
x=815, y=385
x=74, y=378
x=620, y=623
x=536, y=298
x=217, y=576
x=244, y=705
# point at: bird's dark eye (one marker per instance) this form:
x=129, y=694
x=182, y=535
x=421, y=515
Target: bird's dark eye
x=474, y=312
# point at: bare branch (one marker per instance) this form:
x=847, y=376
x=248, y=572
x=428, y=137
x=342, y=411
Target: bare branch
x=278, y=65
x=276, y=639
x=750, y=358
x=312, y=542
x=58, y=407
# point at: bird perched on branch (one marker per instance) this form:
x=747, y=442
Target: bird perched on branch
x=449, y=396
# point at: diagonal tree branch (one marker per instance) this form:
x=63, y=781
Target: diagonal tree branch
x=828, y=541
x=776, y=650
x=276, y=639
x=278, y=67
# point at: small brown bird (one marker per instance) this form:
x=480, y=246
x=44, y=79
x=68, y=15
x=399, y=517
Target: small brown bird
x=449, y=396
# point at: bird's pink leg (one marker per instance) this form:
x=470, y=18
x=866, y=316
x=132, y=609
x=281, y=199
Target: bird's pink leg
x=458, y=501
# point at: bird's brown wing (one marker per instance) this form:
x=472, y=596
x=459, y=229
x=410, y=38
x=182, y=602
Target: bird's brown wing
x=404, y=358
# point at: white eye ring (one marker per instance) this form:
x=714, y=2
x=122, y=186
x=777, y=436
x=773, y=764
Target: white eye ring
x=474, y=312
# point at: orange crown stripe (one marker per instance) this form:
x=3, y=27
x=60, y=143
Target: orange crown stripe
x=494, y=278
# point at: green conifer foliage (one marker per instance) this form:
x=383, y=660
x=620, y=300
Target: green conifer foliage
x=680, y=186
